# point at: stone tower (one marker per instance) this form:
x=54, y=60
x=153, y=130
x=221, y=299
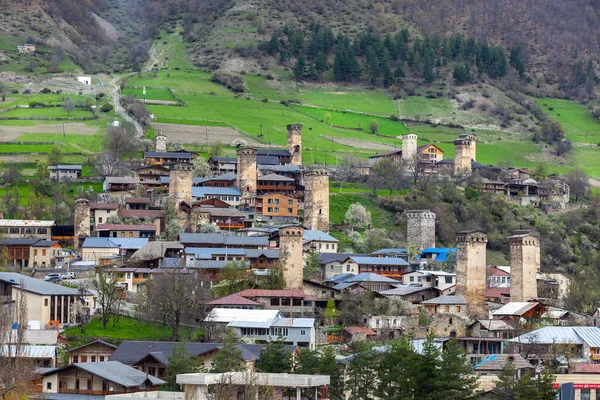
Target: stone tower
x=409, y=148
x=81, y=222
x=161, y=143
x=294, y=143
x=420, y=229
x=316, y=199
x=246, y=173
x=471, y=274
x=290, y=255
x=462, y=156
x=524, y=264
x=180, y=183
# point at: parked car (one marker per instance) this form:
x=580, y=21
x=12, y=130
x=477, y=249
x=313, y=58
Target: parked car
x=68, y=275
x=53, y=277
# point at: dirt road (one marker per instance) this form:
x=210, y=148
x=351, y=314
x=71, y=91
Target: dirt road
x=120, y=110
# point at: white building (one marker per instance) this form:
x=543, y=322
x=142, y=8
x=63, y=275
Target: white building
x=86, y=80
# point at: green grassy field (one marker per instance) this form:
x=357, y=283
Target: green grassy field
x=48, y=112
x=172, y=50
x=179, y=81
x=88, y=142
x=125, y=329
x=202, y=122
x=151, y=94
x=339, y=204
x=26, y=190
x=23, y=99
x=577, y=121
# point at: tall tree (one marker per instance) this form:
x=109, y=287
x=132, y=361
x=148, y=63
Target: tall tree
x=228, y=358
x=274, y=357
x=455, y=376
x=180, y=363
x=362, y=372
x=55, y=155
x=108, y=295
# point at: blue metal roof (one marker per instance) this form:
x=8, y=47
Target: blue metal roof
x=340, y=277
x=203, y=253
x=111, y=243
x=388, y=251
x=442, y=254
x=203, y=191
x=379, y=260
x=310, y=235
x=370, y=277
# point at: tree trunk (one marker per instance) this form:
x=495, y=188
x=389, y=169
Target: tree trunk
x=176, y=327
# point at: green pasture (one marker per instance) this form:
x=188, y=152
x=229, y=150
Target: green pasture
x=339, y=203
x=179, y=81
x=172, y=49
x=191, y=122
x=151, y=94
x=26, y=191
x=48, y=112
x=89, y=142
x=263, y=88
x=25, y=148
x=577, y=121
x=387, y=126
x=424, y=107
x=51, y=99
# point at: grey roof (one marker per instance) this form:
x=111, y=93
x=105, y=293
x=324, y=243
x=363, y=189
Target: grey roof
x=515, y=308
x=403, y=290
x=220, y=212
x=112, y=243
x=154, y=250
x=345, y=285
x=254, y=253
x=203, y=253
x=65, y=166
x=19, y=242
x=378, y=260
x=494, y=325
x=132, y=351
x=294, y=322
x=273, y=152
x=446, y=300
x=204, y=191
x=562, y=335
x=35, y=285
x=45, y=243
x=340, y=277
x=390, y=251
x=209, y=264
x=224, y=240
x=279, y=168
x=266, y=160
x=121, y=179
x=497, y=362
x=371, y=277
x=274, y=177
x=94, y=342
x=222, y=159
x=310, y=235
x=327, y=258
x=119, y=373
x=167, y=154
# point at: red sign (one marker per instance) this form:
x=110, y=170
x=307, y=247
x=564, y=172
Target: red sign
x=581, y=386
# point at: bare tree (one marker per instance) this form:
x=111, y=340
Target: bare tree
x=108, y=164
x=177, y=297
x=16, y=372
x=108, y=296
x=68, y=106
x=121, y=142
x=578, y=182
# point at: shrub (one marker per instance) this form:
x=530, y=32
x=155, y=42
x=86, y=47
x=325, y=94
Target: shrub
x=394, y=117
x=45, y=91
x=233, y=82
x=15, y=91
x=106, y=107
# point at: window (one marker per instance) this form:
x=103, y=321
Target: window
x=448, y=279
x=122, y=234
x=44, y=252
x=327, y=246
x=585, y=394
x=83, y=358
x=274, y=301
x=285, y=302
x=48, y=385
x=290, y=202
x=457, y=308
x=35, y=252
x=99, y=220
x=419, y=279
x=296, y=302
x=270, y=209
x=45, y=302
x=75, y=359
x=290, y=211
x=93, y=358
x=348, y=268
x=276, y=209
x=446, y=308
x=302, y=332
x=101, y=358
x=276, y=201
x=270, y=201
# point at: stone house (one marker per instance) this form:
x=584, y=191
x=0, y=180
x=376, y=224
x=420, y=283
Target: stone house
x=445, y=304
x=63, y=173
x=357, y=334
x=100, y=212
x=411, y=293
x=95, y=248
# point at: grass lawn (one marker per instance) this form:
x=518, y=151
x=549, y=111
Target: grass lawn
x=371, y=102
x=91, y=143
x=191, y=122
x=25, y=148
x=151, y=93
x=179, y=80
x=424, y=107
x=339, y=203
x=50, y=112
x=577, y=121
x=125, y=329
x=387, y=126
x=22, y=99
x=435, y=133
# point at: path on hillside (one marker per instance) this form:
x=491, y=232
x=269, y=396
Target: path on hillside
x=115, y=89
x=78, y=147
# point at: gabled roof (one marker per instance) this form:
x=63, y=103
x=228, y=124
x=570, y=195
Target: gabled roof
x=226, y=315
x=104, y=206
x=340, y=277
x=19, y=242
x=132, y=351
x=219, y=212
x=45, y=243
x=116, y=372
x=167, y=154
x=279, y=168
x=273, y=152
x=128, y=180
x=36, y=285
x=298, y=293
x=370, y=277
x=315, y=235
x=378, y=260
x=65, y=166
x=154, y=250
x=112, y=243
x=28, y=351
x=220, y=239
x=31, y=223
x=516, y=308
x=561, y=335
x=203, y=191
x=274, y=177
x=497, y=362
x=233, y=300
x=125, y=227
x=494, y=325
x=102, y=342
x=403, y=290
x=458, y=300
x=137, y=200
x=578, y=368
x=397, y=251
x=203, y=253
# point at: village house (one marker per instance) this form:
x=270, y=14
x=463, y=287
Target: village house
x=298, y=332
x=390, y=267
x=290, y=303
x=225, y=180
x=223, y=240
x=441, y=280
x=520, y=313
x=46, y=302
x=119, y=183
x=24, y=253
x=227, y=219
x=101, y=212
x=445, y=304
x=98, y=379
x=369, y=281
x=156, y=253
x=276, y=207
x=64, y=173
x=44, y=253
x=331, y=265
x=495, y=363
x=126, y=231
x=137, y=203
x=274, y=183
x=36, y=355
x=357, y=334
x=20, y=228
x=319, y=241
x=228, y=195
x=153, y=158
x=97, y=350
x=319, y=292
x=95, y=248
x=27, y=48
x=411, y=293
x=391, y=253
x=150, y=176
x=234, y=301
x=156, y=216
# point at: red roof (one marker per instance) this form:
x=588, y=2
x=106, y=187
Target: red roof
x=233, y=300
x=496, y=272
x=137, y=200
x=497, y=292
x=585, y=368
x=272, y=293
x=125, y=227
x=141, y=213
x=353, y=330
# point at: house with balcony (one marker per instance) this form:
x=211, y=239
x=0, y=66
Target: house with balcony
x=369, y=281
x=95, y=351
x=227, y=219
x=101, y=212
x=288, y=302
x=520, y=313
x=487, y=337
x=24, y=253
x=276, y=207
x=167, y=158
x=98, y=379
x=390, y=267
x=234, y=301
x=445, y=304
x=319, y=241
x=274, y=183
x=25, y=229
x=298, y=332
x=62, y=173
x=137, y=203
x=119, y=183
x=126, y=231
x=223, y=240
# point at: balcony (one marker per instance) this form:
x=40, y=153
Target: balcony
x=595, y=357
x=139, y=280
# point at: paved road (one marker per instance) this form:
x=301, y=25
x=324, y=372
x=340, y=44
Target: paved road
x=121, y=111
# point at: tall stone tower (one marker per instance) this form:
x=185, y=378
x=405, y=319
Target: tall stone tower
x=462, y=156
x=290, y=255
x=246, y=173
x=524, y=264
x=471, y=274
x=420, y=229
x=81, y=222
x=161, y=143
x=316, y=199
x=294, y=143
x=180, y=183
x=409, y=148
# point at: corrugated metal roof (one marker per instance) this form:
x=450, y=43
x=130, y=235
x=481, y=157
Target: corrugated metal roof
x=446, y=300
x=29, y=351
x=340, y=277
x=231, y=314
x=36, y=285
x=120, y=373
x=27, y=223
x=378, y=261
x=220, y=239
x=234, y=300
x=64, y=166
x=403, y=290
x=203, y=191
x=371, y=277
x=390, y=251
x=272, y=293
x=111, y=243
x=125, y=227
x=294, y=322
x=562, y=335
x=515, y=308
x=497, y=362
x=274, y=177
x=204, y=253
x=310, y=235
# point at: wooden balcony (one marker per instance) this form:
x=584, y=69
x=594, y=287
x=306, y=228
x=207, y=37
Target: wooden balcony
x=88, y=392
x=232, y=225
x=139, y=280
x=595, y=357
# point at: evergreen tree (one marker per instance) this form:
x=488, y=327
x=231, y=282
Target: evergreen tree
x=180, y=363
x=299, y=67
x=526, y=387
x=428, y=369
x=321, y=65
x=398, y=371
x=307, y=362
x=328, y=365
x=372, y=66
x=517, y=59
x=507, y=378
x=428, y=74
x=461, y=74
x=228, y=358
x=455, y=376
x=274, y=44
x=545, y=385
x=275, y=358
x=362, y=372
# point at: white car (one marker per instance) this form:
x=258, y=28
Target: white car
x=69, y=275
x=53, y=277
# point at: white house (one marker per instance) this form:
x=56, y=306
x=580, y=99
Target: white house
x=86, y=80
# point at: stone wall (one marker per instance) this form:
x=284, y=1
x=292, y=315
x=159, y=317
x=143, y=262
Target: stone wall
x=420, y=229
x=524, y=265
x=180, y=184
x=290, y=249
x=81, y=221
x=409, y=149
x=316, y=199
x=471, y=274
x=246, y=174
x=462, y=156
x=294, y=143
x=161, y=143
